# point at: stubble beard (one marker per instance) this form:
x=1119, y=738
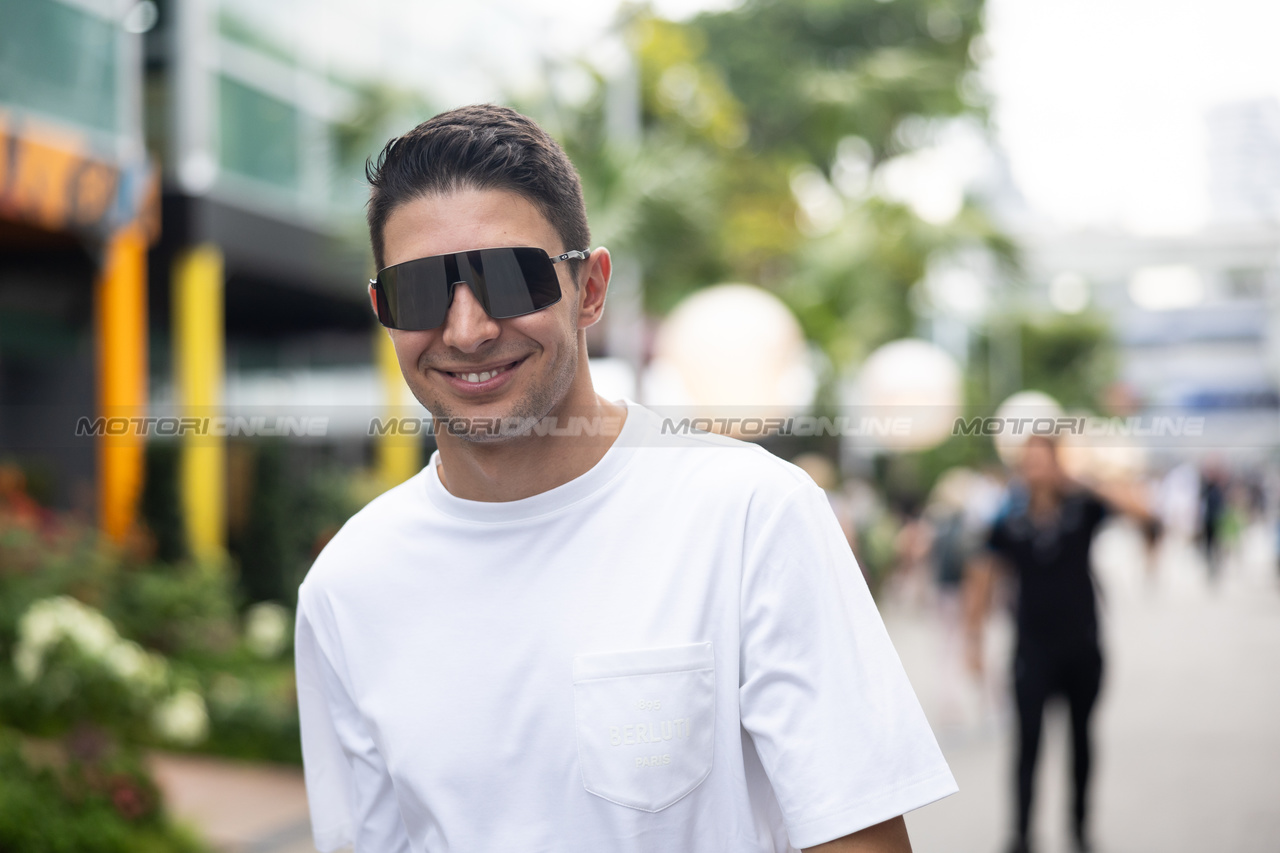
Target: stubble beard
x=537, y=403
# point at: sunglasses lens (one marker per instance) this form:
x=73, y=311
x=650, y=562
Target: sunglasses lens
x=512, y=282
x=507, y=283
x=414, y=295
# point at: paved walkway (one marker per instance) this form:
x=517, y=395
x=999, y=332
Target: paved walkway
x=238, y=807
x=1188, y=739
x=1187, y=734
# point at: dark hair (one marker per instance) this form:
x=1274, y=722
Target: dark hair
x=480, y=147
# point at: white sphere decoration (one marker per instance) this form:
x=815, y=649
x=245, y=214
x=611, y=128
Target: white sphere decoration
x=1022, y=408
x=911, y=390
x=731, y=350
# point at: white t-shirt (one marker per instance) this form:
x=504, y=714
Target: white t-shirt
x=673, y=652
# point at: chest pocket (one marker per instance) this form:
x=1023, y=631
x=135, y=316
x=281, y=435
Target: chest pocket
x=645, y=723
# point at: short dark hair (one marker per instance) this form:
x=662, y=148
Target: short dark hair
x=479, y=147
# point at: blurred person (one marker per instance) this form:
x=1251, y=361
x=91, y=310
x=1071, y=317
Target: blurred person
x=1179, y=501
x=912, y=577
x=1043, y=536
x=611, y=639
x=1213, y=506
x=959, y=511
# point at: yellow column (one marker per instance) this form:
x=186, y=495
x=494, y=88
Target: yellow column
x=121, y=336
x=398, y=457
x=198, y=380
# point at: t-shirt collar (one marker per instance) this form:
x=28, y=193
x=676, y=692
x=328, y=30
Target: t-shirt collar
x=548, y=502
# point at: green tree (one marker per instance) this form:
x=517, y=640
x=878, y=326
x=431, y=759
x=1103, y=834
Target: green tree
x=736, y=107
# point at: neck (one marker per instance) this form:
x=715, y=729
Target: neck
x=531, y=464
x=1043, y=499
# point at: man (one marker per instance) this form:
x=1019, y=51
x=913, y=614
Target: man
x=591, y=638
x=1043, y=536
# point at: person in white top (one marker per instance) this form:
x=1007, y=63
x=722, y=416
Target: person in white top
x=578, y=629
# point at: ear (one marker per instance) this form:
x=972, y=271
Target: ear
x=373, y=300
x=593, y=287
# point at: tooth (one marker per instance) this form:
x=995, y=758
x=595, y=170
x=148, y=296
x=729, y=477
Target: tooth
x=486, y=376
x=471, y=377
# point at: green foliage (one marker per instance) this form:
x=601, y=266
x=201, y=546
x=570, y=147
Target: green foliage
x=75, y=687
x=160, y=500
x=1071, y=357
x=289, y=519
x=253, y=712
x=734, y=106
x=186, y=615
x=187, y=612
x=812, y=72
x=106, y=804
x=267, y=555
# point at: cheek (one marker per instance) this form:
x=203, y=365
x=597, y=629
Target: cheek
x=553, y=332
x=409, y=347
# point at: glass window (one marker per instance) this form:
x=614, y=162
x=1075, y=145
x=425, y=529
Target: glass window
x=61, y=61
x=259, y=135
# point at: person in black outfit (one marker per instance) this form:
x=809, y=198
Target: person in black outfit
x=1213, y=505
x=1043, y=536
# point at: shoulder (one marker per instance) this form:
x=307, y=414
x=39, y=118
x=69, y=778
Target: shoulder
x=693, y=458
x=1087, y=504
x=1009, y=515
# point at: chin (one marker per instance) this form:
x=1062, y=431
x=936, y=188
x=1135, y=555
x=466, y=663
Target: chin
x=491, y=423
x=508, y=418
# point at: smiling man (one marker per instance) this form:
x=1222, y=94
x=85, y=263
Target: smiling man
x=592, y=637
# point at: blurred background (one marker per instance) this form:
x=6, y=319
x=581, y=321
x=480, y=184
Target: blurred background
x=905, y=216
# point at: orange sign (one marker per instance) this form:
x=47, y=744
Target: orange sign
x=48, y=178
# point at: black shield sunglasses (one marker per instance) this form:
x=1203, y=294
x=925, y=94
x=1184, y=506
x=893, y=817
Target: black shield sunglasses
x=507, y=282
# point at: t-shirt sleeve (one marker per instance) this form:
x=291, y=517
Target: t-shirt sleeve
x=1096, y=511
x=823, y=694
x=349, y=790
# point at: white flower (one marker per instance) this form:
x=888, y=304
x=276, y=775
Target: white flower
x=126, y=660
x=266, y=629
x=28, y=661
x=92, y=632
x=130, y=663
x=39, y=626
x=182, y=718
x=62, y=617
x=49, y=621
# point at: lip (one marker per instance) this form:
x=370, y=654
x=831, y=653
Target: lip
x=491, y=384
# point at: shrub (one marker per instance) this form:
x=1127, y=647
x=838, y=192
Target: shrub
x=94, y=798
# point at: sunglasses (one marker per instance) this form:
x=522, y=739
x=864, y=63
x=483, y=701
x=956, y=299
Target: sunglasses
x=510, y=282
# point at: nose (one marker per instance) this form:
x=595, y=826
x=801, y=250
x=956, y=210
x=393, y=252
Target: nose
x=467, y=327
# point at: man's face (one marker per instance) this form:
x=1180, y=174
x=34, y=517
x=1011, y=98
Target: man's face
x=1039, y=464
x=523, y=367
